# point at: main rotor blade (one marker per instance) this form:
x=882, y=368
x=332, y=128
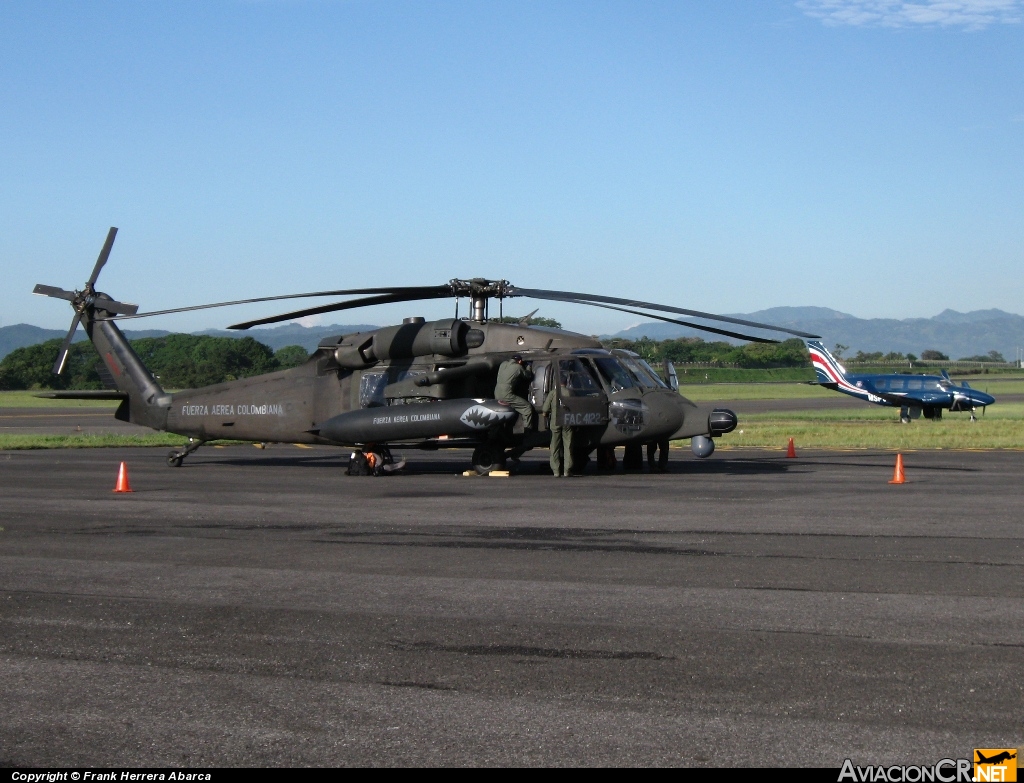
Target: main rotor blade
x=690, y=324
x=443, y=291
x=439, y=292
x=62, y=355
x=56, y=293
x=569, y=296
x=103, y=256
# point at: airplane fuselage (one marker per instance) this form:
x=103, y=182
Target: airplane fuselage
x=913, y=391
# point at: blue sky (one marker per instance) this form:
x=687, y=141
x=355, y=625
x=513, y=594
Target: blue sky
x=864, y=155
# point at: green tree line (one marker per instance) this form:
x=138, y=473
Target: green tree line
x=180, y=361
x=789, y=353
x=184, y=361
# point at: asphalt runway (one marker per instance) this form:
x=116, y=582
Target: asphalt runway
x=262, y=608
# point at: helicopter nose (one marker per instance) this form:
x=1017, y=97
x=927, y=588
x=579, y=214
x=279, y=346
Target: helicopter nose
x=665, y=413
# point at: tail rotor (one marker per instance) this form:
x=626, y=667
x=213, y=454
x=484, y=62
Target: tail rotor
x=85, y=301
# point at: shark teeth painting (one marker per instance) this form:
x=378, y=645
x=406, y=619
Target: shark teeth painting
x=483, y=417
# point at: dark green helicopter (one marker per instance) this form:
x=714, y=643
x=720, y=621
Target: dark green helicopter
x=419, y=384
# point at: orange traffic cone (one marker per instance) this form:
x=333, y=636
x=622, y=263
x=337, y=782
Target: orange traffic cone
x=791, y=450
x=122, y=479
x=898, y=476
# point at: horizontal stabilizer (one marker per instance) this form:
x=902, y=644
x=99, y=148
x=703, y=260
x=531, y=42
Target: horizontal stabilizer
x=84, y=394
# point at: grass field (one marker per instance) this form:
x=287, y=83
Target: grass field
x=26, y=399
x=1002, y=427
x=689, y=376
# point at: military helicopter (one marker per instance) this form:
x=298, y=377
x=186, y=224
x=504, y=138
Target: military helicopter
x=418, y=384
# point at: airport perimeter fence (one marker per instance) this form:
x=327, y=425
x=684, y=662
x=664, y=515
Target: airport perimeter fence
x=937, y=364
x=919, y=364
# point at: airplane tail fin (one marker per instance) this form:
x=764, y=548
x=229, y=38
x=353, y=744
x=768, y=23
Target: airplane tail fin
x=826, y=368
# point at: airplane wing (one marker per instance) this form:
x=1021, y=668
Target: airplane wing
x=917, y=399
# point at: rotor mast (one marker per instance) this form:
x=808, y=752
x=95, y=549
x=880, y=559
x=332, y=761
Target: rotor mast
x=479, y=290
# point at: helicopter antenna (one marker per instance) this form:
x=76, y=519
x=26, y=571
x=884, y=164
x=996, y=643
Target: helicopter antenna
x=525, y=320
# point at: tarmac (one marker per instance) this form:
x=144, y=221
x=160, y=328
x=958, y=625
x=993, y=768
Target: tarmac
x=258, y=608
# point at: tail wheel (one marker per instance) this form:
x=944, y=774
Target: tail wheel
x=488, y=457
x=174, y=459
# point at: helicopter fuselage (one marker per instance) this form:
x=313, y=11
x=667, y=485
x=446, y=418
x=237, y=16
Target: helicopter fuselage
x=345, y=395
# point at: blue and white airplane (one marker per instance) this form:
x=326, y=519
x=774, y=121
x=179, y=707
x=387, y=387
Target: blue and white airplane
x=912, y=394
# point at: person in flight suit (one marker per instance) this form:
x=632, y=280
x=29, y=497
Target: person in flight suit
x=513, y=385
x=561, y=437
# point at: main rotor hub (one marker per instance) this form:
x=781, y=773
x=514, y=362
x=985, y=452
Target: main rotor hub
x=479, y=290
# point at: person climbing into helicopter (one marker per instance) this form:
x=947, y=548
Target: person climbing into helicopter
x=513, y=384
x=562, y=463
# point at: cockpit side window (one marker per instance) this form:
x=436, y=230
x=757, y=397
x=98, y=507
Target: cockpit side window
x=372, y=385
x=371, y=389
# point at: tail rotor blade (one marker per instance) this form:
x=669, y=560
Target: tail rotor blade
x=56, y=293
x=103, y=256
x=112, y=306
x=62, y=355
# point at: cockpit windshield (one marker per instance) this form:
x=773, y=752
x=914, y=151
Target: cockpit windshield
x=637, y=372
x=617, y=376
x=642, y=372
x=653, y=374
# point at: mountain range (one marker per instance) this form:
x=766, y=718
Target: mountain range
x=20, y=335
x=955, y=334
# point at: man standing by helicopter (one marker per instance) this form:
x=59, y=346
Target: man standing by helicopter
x=513, y=384
x=561, y=435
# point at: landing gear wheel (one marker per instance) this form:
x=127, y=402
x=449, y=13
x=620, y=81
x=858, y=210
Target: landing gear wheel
x=487, y=458
x=175, y=458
